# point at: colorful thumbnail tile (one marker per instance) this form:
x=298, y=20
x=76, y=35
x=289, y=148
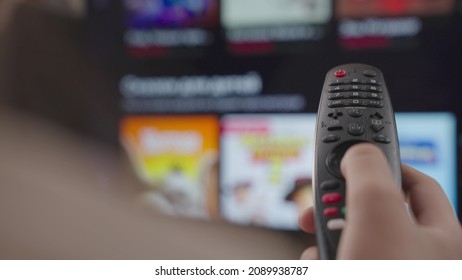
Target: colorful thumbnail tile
x=177, y=158
x=155, y=28
x=265, y=26
x=428, y=143
x=266, y=168
x=167, y=13
x=257, y=13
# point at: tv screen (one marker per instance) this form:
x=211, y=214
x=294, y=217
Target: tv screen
x=218, y=99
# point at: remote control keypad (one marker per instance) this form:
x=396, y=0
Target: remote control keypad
x=355, y=92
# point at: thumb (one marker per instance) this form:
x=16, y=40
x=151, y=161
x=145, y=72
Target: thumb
x=373, y=200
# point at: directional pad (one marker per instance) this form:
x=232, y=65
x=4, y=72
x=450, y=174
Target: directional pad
x=335, y=114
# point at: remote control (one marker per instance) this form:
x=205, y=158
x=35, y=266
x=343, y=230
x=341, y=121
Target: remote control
x=354, y=107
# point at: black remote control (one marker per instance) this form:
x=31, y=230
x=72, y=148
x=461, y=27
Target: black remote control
x=354, y=107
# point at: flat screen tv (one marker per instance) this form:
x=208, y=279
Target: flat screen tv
x=218, y=99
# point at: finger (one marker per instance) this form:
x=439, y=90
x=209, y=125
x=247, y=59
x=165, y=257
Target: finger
x=310, y=254
x=306, y=220
x=373, y=199
x=427, y=199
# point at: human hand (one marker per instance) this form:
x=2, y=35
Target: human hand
x=379, y=225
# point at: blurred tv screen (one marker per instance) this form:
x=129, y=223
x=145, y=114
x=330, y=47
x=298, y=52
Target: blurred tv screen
x=218, y=99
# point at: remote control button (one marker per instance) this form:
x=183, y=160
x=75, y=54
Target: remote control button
x=340, y=73
x=371, y=82
x=330, y=138
x=373, y=95
x=330, y=198
x=339, y=89
x=335, y=127
x=335, y=156
x=331, y=211
x=373, y=103
x=355, y=129
x=354, y=102
x=330, y=185
x=369, y=73
x=333, y=160
x=372, y=88
x=355, y=94
x=355, y=113
x=335, y=89
x=376, y=116
x=355, y=81
x=343, y=210
x=355, y=87
x=336, y=224
x=338, y=82
x=337, y=95
x=376, y=122
x=335, y=114
x=376, y=128
x=337, y=103
x=381, y=138
x=334, y=121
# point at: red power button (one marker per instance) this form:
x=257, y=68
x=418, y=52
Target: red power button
x=340, y=73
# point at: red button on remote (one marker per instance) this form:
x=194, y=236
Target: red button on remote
x=331, y=211
x=340, y=73
x=331, y=198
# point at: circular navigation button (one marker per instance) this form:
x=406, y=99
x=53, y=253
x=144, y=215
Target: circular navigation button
x=334, y=157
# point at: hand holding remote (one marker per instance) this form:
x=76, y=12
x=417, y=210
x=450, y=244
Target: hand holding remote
x=379, y=225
